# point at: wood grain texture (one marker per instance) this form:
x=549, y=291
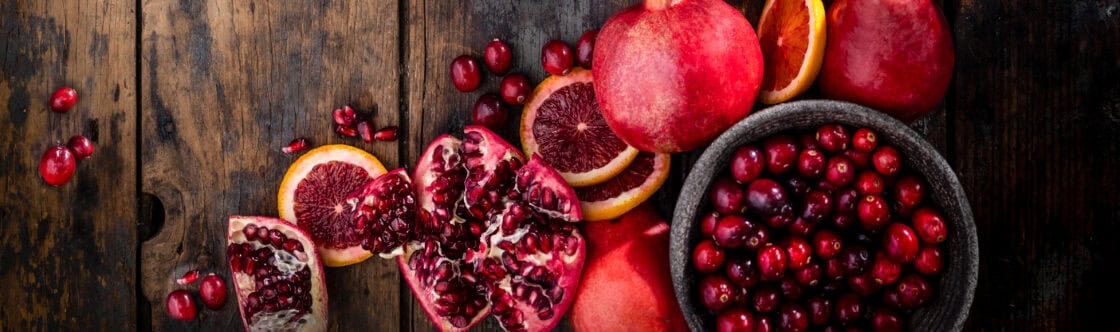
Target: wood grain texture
x=66, y=250
x=226, y=84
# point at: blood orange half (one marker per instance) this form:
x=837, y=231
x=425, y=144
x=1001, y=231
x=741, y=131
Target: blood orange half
x=563, y=125
x=620, y=194
x=315, y=196
x=792, y=36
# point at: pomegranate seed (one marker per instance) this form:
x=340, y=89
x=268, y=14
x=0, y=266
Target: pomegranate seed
x=585, y=47
x=364, y=131
x=864, y=140
x=873, y=213
x=884, y=270
x=515, y=89
x=766, y=299
x=180, y=305
x=913, y=291
x=726, y=196
x=707, y=258
x=820, y=309
x=212, y=290
x=767, y=197
x=810, y=163
x=781, y=154
x=465, y=74
x=929, y=225
x=64, y=99
x=869, y=183
x=832, y=137
x=799, y=252
x=490, y=111
x=848, y=308
x=840, y=171
x=747, y=164
x=386, y=134
x=296, y=145
x=909, y=191
x=900, y=243
x=928, y=261
x=771, y=262
x=742, y=272
x=886, y=320
x=498, y=56
x=344, y=116
x=716, y=292
x=556, y=57
x=737, y=319
x=793, y=318
x=188, y=278
x=346, y=131
x=731, y=231
x=81, y=147
x=57, y=165
x=886, y=160
x=827, y=244
x=708, y=224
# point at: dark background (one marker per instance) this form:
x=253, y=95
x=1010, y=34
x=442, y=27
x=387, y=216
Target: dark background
x=189, y=102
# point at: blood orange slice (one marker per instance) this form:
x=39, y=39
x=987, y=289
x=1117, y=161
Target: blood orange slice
x=792, y=36
x=563, y=125
x=631, y=187
x=315, y=195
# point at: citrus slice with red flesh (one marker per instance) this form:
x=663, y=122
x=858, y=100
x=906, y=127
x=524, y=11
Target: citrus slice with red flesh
x=628, y=189
x=792, y=36
x=563, y=125
x=317, y=195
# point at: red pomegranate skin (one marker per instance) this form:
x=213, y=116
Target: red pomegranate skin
x=892, y=55
x=671, y=75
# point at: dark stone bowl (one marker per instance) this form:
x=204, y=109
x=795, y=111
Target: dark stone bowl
x=954, y=292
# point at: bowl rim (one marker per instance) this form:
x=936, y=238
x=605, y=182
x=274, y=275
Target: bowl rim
x=807, y=113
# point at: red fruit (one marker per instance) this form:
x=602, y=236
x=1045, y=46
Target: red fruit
x=896, y=57
x=181, y=306
x=704, y=80
x=864, y=140
x=780, y=220
x=386, y=134
x=913, y=291
x=766, y=299
x=585, y=47
x=64, y=99
x=767, y=197
x=781, y=154
x=833, y=137
x=344, y=116
x=835, y=268
x=799, y=252
x=856, y=260
x=869, y=183
x=747, y=163
x=296, y=145
x=758, y=237
x=928, y=261
x=846, y=200
x=900, y=243
x=707, y=258
x=873, y=213
x=772, y=262
x=271, y=276
x=556, y=57
x=188, y=278
x=732, y=231
x=827, y=244
x=716, y=292
x=497, y=56
x=798, y=186
x=708, y=224
x=840, y=171
x=909, y=191
x=808, y=276
x=764, y=324
x=212, y=290
x=515, y=89
x=863, y=284
x=465, y=74
x=80, y=146
x=726, y=196
x=861, y=160
x=892, y=298
x=886, y=160
x=742, y=271
x=793, y=318
x=820, y=310
x=810, y=163
x=884, y=270
x=791, y=289
x=817, y=206
x=364, y=131
x=625, y=256
x=737, y=319
x=57, y=165
x=808, y=141
x=490, y=111
x=346, y=131
x=802, y=227
x=886, y=320
x=848, y=308
x=929, y=225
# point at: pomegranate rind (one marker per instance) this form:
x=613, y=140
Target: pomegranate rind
x=333, y=257
x=771, y=23
x=531, y=146
x=625, y=201
x=318, y=320
x=538, y=172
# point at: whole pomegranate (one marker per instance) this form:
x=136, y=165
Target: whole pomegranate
x=626, y=256
x=671, y=75
x=892, y=55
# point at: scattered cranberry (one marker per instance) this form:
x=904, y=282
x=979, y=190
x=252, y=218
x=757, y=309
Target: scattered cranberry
x=556, y=57
x=742, y=272
x=913, y=291
x=64, y=99
x=900, y=243
x=884, y=270
x=515, y=89
x=886, y=320
x=886, y=160
x=772, y=262
x=747, y=163
x=798, y=252
x=344, y=116
x=212, y=290
x=848, y=308
x=498, y=56
x=863, y=284
x=732, y=231
x=81, y=147
x=832, y=137
x=869, y=183
x=726, y=196
x=181, y=306
x=840, y=171
x=716, y=292
x=873, y=213
x=465, y=74
x=364, y=131
x=929, y=225
x=585, y=47
x=793, y=318
x=757, y=237
x=296, y=145
x=817, y=206
x=736, y=319
x=708, y=224
x=707, y=257
x=386, y=134
x=766, y=299
x=490, y=111
x=781, y=154
x=188, y=278
x=864, y=140
x=827, y=244
x=57, y=165
x=928, y=261
x=909, y=191
x=810, y=163
x=766, y=197
x=809, y=275
x=348, y=131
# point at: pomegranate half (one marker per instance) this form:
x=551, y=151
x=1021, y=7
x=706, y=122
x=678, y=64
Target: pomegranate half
x=671, y=75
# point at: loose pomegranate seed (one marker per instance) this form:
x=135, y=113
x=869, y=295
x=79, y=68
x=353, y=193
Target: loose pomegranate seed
x=465, y=74
x=556, y=57
x=386, y=134
x=188, y=278
x=832, y=137
x=884, y=270
x=364, y=131
x=707, y=258
x=81, y=147
x=863, y=284
x=737, y=319
x=864, y=140
x=708, y=224
x=817, y=206
x=909, y=191
x=810, y=163
x=835, y=269
x=772, y=262
x=929, y=225
x=344, y=116
x=848, y=308
x=515, y=89
x=793, y=318
x=747, y=163
x=886, y=160
x=767, y=197
x=180, y=305
x=928, y=261
x=716, y=292
x=490, y=111
x=585, y=47
x=296, y=145
x=886, y=320
x=856, y=259
x=861, y=160
x=57, y=165
x=809, y=275
x=732, y=230
x=742, y=271
x=64, y=99
x=869, y=183
x=799, y=252
x=827, y=244
x=766, y=299
x=781, y=154
x=346, y=131
x=497, y=56
x=873, y=213
x=840, y=171
x=726, y=196
x=820, y=310
x=913, y=291
x=900, y=243
x=212, y=290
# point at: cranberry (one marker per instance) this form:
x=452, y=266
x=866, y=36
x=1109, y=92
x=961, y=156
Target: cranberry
x=844, y=220
x=863, y=284
x=913, y=291
x=793, y=318
x=707, y=258
x=848, y=308
x=81, y=147
x=835, y=269
x=884, y=270
x=799, y=252
x=809, y=141
x=364, y=131
x=802, y=227
x=833, y=287
x=766, y=196
x=869, y=183
x=585, y=47
x=810, y=163
x=57, y=165
x=736, y=319
x=833, y=137
x=296, y=145
x=781, y=154
x=515, y=89
x=556, y=57
x=886, y=320
x=465, y=74
x=846, y=200
x=757, y=237
x=780, y=220
x=864, y=140
x=64, y=99
x=886, y=160
x=861, y=160
x=766, y=299
x=840, y=171
x=892, y=298
x=385, y=134
x=909, y=191
x=827, y=244
x=772, y=262
x=212, y=290
x=928, y=261
x=490, y=111
x=742, y=272
x=856, y=259
x=817, y=206
x=181, y=306
x=820, y=309
x=764, y=324
x=873, y=212
x=929, y=225
x=708, y=224
x=791, y=289
x=726, y=196
x=900, y=243
x=498, y=56
x=809, y=275
x=716, y=292
x=747, y=163
x=732, y=231
x=798, y=186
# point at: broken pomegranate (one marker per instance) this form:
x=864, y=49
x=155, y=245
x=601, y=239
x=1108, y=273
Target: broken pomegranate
x=277, y=275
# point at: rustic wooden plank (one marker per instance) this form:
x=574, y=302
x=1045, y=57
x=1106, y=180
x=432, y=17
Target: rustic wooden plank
x=69, y=249
x=226, y=84
x=1035, y=116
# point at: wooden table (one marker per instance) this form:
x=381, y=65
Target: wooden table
x=190, y=101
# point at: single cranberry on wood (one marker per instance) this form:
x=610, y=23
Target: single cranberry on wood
x=498, y=56
x=296, y=145
x=57, y=165
x=212, y=290
x=515, y=89
x=64, y=99
x=466, y=75
x=180, y=305
x=490, y=111
x=81, y=146
x=585, y=47
x=386, y=134
x=556, y=57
